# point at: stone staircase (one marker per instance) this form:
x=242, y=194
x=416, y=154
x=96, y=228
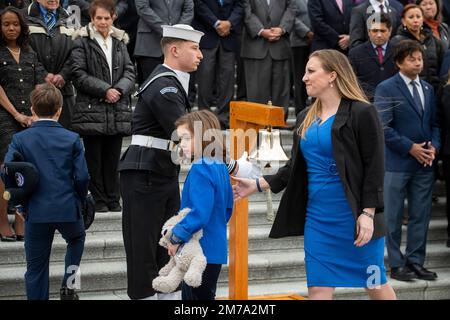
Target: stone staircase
x=276, y=266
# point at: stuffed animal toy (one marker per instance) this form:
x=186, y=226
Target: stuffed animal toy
x=188, y=264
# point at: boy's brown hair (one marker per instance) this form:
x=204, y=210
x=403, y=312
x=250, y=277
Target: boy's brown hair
x=46, y=100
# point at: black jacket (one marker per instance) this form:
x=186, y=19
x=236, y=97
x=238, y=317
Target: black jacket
x=53, y=48
x=444, y=32
x=358, y=148
x=156, y=111
x=367, y=67
x=92, y=115
x=434, y=54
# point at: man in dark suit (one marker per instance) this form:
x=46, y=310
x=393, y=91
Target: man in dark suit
x=408, y=112
x=266, y=50
x=363, y=12
x=152, y=15
x=330, y=20
x=220, y=21
x=57, y=200
x=372, y=61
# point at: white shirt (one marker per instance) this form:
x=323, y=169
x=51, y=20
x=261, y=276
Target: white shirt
x=183, y=77
x=45, y=119
x=376, y=5
x=106, y=45
x=410, y=87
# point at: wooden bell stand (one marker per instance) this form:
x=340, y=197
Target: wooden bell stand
x=246, y=116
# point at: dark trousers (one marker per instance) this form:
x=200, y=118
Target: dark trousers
x=149, y=200
x=446, y=167
x=268, y=79
x=102, y=157
x=417, y=187
x=145, y=66
x=300, y=58
x=216, y=72
x=65, y=119
x=38, y=245
x=207, y=290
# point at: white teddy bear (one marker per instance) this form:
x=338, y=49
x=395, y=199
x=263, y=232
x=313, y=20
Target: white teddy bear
x=188, y=263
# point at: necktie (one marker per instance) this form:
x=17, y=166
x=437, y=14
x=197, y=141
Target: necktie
x=340, y=5
x=221, y=3
x=381, y=8
x=416, y=97
x=380, y=54
x=51, y=21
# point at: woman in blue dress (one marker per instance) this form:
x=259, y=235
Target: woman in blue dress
x=334, y=184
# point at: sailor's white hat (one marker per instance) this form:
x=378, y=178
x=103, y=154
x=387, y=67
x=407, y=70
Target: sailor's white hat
x=182, y=31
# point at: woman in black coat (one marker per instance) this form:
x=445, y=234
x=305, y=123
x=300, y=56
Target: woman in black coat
x=433, y=19
x=334, y=183
x=104, y=78
x=412, y=29
x=20, y=71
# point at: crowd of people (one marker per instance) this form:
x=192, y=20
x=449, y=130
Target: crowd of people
x=378, y=70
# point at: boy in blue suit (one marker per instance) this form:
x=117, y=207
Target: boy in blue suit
x=56, y=203
x=408, y=112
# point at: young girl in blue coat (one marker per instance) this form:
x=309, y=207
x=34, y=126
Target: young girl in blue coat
x=207, y=191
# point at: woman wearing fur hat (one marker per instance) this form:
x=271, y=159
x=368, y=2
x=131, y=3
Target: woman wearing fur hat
x=104, y=77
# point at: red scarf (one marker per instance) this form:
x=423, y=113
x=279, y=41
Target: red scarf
x=434, y=25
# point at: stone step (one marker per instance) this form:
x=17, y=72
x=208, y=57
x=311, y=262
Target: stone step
x=102, y=246
x=265, y=268
x=112, y=221
x=414, y=290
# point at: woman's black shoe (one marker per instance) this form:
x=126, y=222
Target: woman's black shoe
x=8, y=238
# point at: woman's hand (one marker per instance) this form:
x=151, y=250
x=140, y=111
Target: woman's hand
x=112, y=95
x=364, y=230
x=24, y=120
x=58, y=81
x=172, y=249
x=243, y=188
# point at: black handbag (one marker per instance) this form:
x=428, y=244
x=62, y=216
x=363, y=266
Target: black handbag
x=88, y=211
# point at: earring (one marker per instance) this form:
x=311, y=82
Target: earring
x=331, y=85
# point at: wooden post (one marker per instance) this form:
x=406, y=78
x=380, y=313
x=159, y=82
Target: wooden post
x=246, y=118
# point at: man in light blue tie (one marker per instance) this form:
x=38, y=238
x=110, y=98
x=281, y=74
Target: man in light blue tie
x=408, y=112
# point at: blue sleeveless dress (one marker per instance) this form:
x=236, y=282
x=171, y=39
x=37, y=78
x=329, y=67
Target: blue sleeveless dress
x=331, y=258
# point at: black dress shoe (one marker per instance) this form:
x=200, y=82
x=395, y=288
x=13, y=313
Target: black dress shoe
x=101, y=207
x=114, y=207
x=68, y=294
x=421, y=272
x=402, y=274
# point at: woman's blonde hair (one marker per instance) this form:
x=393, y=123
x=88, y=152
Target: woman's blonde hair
x=346, y=83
